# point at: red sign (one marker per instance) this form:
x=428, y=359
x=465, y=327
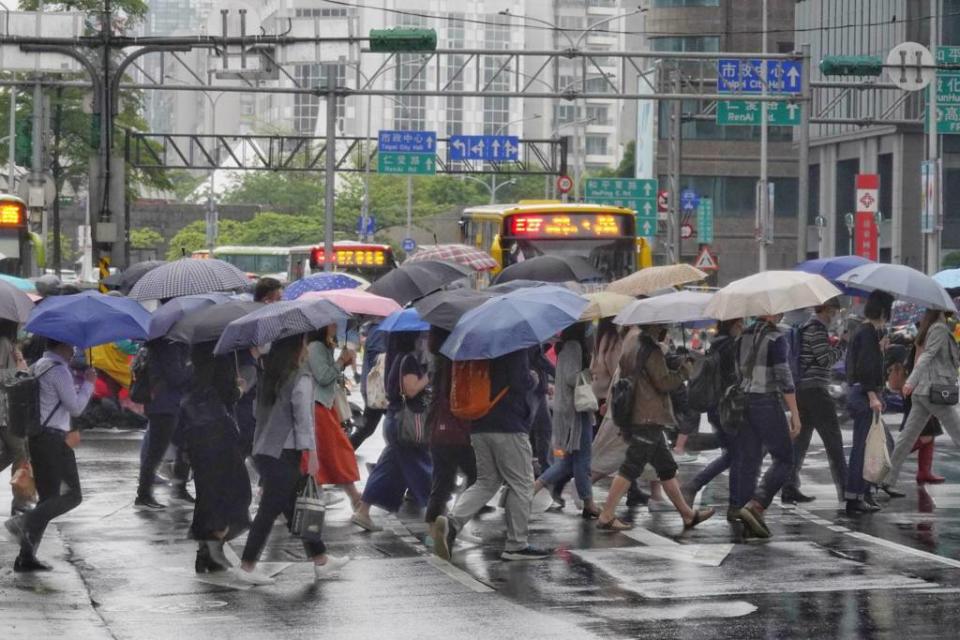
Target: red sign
x=706, y=261
x=686, y=231
x=564, y=184
x=663, y=201
x=866, y=235
x=567, y=225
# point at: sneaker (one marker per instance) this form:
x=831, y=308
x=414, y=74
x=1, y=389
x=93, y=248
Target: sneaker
x=147, y=503
x=529, y=553
x=469, y=538
x=755, y=522
x=330, y=568
x=443, y=537
x=365, y=522
x=181, y=494
x=252, y=577
x=331, y=498
x=685, y=457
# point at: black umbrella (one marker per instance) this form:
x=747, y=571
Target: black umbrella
x=414, y=280
x=551, y=269
x=444, y=308
x=125, y=280
x=207, y=324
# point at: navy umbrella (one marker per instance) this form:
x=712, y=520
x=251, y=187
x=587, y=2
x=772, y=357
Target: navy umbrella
x=89, y=319
x=279, y=320
x=170, y=313
x=125, y=280
x=208, y=323
x=188, y=276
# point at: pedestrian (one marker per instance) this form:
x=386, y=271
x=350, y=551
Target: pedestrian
x=725, y=346
x=865, y=377
x=501, y=443
x=13, y=451
x=338, y=463
x=374, y=344
x=268, y=290
x=818, y=354
x=248, y=368
x=212, y=439
x=572, y=429
x=899, y=364
x=935, y=371
x=400, y=466
x=450, y=448
x=541, y=430
x=51, y=451
x=169, y=380
x=285, y=431
x=643, y=360
x=604, y=361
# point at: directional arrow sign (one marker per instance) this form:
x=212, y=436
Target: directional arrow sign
x=407, y=152
x=636, y=194
x=746, y=76
x=490, y=148
x=747, y=113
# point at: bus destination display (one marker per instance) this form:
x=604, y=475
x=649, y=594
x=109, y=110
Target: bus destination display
x=567, y=225
x=354, y=257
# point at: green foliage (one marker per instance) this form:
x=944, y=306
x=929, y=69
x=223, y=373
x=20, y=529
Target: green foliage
x=185, y=183
x=626, y=167
x=145, y=239
x=194, y=236
x=279, y=230
x=67, y=254
x=951, y=260
x=298, y=192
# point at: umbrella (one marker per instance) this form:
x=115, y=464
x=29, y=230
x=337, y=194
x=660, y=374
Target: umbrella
x=405, y=320
x=356, y=301
x=416, y=279
x=279, y=320
x=125, y=281
x=833, y=268
x=15, y=305
x=459, y=253
x=948, y=278
x=551, y=269
x=769, y=293
x=326, y=281
x=903, y=282
x=188, y=276
x=670, y=308
x=645, y=281
x=604, y=304
x=20, y=283
x=208, y=323
x=445, y=308
x=513, y=321
x=170, y=313
x=89, y=319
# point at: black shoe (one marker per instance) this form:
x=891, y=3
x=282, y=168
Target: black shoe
x=794, y=497
x=558, y=501
x=147, y=503
x=637, y=497
x=856, y=507
x=205, y=562
x=733, y=514
x=753, y=519
x=892, y=492
x=530, y=553
x=871, y=501
x=181, y=494
x=29, y=565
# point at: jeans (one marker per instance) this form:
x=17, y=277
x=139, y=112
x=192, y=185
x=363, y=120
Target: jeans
x=152, y=449
x=541, y=432
x=766, y=427
x=575, y=462
x=280, y=478
x=502, y=458
x=920, y=413
x=54, y=465
x=447, y=461
x=818, y=411
x=719, y=464
x=858, y=404
x=371, y=419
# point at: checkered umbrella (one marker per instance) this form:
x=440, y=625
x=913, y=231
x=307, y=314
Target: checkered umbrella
x=459, y=253
x=279, y=320
x=187, y=277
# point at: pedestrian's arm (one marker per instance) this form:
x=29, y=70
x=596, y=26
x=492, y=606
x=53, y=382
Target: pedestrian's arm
x=825, y=354
x=303, y=418
x=70, y=398
x=662, y=377
x=777, y=361
x=932, y=346
x=412, y=382
x=321, y=365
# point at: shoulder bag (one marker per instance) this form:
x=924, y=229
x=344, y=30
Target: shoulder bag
x=584, y=399
x=309, y=510
x=733, y=404
x=411, y=426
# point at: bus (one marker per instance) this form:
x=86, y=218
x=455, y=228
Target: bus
x=604, y=235
x=259, y=261
x=21, y=252
x=365, y=259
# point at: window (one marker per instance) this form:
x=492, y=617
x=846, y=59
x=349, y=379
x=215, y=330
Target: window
x=685, y=43
x=496, y=110
x=599, y=115
x=340, y=12
x=596, y=145
x=305, y=106
x=564, y=113
x=456, y=37
x=598, y=84
x=409, y=112
x=686, y=3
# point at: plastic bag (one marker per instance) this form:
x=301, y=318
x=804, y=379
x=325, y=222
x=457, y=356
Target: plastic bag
x=876, y=458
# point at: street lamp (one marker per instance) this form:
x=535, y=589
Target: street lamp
x=493, y=188
x=578, y=153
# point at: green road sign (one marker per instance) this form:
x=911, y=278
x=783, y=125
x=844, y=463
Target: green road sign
x=705, y=221
x=636, y=194
x=948, y=92
x=422, y=164
x=747, y=113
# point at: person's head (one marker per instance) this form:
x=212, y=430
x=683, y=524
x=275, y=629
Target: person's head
x=829, y=310
x=878, y=306
x=895, y=366
x=930, y=316
x=605, y=329
x=9, y=329
x=657, y=332
x=732, y=327
x=280, y=364
x=437, y=337
x=773, y=319
x=62, y=349
x=403, y=341
x=268, y=290
x=214, y=372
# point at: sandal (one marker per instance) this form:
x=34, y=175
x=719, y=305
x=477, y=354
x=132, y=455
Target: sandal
x=614, y=525
x=698, y=517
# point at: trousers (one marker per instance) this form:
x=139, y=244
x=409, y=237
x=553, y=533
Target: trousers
x=765, y=428
x=54, y=467
x=818, y=412
x=447, y=461
x=155, y=443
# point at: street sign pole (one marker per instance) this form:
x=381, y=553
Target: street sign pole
x=330, y=168
x=764, y=126
x=803, y=177
x=933, y=238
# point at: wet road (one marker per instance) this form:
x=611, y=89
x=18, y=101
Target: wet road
x=120, y=573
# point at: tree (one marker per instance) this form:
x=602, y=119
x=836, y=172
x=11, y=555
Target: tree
x=951, y=260
x=194, y=236
x=298, y=192
x=145, y=239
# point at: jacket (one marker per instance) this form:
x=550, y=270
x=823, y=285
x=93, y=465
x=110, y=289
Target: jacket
x=567, y=422
x=288, y=424
x=324, y=371
x=654, y=382
x=604, y=364
x=771, y=366
x=512, y=414
x=169, y=377
x=938, y=362
x=864, y=361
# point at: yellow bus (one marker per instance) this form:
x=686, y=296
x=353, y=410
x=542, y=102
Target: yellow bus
x=21, y=251
x=605, y=235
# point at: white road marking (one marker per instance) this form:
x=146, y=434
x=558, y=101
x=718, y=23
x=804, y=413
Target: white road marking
x=459, y=575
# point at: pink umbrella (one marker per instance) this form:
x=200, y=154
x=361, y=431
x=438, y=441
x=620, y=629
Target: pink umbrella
x=459, y=253
x=356, y=301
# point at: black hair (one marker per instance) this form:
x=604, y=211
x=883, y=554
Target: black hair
x=8, y=329
x=577, y=332
x=54, y=344
x=279, y=365
x=605, y=328
x=878, y=306
x=723, y=329
x=216, y=373
x=266, y=286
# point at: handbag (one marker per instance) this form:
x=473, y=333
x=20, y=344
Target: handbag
x=733, y=403
x=23, y=484
x=584, y=399
x=341, y=404
x=309, y=510
x=412, y=428
x=876, y=458
x=948, y=394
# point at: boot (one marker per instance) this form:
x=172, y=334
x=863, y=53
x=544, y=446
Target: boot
x=925, y=473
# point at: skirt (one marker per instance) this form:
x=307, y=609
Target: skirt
x=338, y=462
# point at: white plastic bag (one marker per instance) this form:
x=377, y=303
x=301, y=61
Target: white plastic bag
x=376, y=387
x=876, y=458
x=584, y=400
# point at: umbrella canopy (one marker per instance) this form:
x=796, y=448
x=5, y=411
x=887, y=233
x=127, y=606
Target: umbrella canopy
x=188, y=276
x=405, y=320
x=604, y=304
x=89, y=319
x=948, y=278
x=903, y=282
x=125, y=280
x=646, y=281
x=207, y=324
x=670, y=308
x=513, y=321
x=20, y=283
x=769, y=293
x=356, y=301
x=459, y=253
x=551, y=269
x=414, y=280
x=326, y=281
x=170, y=313
x=279, y=320
x=833, y=268
x=445, y=308
x=15, y=304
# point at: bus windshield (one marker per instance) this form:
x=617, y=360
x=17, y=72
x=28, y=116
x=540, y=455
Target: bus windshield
x=613, y=258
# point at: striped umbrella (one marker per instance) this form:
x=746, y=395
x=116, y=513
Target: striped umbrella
x=279, y=320
x=459, y=253
x=187, y=277
x=331, y=281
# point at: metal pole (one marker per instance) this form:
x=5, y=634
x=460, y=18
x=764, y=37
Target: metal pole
x=57, y=180
x=764, y=198
x=330, y=168
x=409, y=206
x=803, y=178
x=933, y=154
x=673, y=223
x=12, y=141
x=212, y=221
x=36, y=164
x=365, y=209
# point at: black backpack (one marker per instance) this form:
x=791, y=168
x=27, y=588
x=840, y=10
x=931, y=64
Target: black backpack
x=623, y=391
x=21, y=393
x=140, y=373
x=706, y=389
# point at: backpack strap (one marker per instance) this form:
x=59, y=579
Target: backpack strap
x=754, y=352
x=56, y=407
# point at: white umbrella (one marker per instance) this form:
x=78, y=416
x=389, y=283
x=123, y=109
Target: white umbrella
x=769, y=293
x=670, y=308
x=903, y=282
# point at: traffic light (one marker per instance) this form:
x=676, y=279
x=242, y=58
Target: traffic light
x=402, y=40
x=23, y=145
x=851, y=66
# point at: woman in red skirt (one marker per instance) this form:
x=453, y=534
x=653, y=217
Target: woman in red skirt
x=338, y=463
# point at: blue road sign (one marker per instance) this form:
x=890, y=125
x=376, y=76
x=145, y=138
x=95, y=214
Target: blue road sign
x=407, y=141
x=484, y=147
x=409, y=244
x=689, y=200
x=371, y=226
x=746, y=76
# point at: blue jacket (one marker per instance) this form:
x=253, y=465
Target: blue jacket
x=513, y=413
x=169, y=377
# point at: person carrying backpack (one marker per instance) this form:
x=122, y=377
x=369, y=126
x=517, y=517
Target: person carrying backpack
x=13, y=449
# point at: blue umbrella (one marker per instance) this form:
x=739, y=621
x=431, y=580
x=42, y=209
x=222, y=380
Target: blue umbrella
x=403, y=320
x=19, y=283
x=833, y=268
x=948, y=278
x=89, y=319
x=513, y=321
x=320, y=282
x=279, y=320
x=168, y=314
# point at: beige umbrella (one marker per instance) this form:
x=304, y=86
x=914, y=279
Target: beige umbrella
x=770, y=293
x=646, y=281
x=604, y=304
